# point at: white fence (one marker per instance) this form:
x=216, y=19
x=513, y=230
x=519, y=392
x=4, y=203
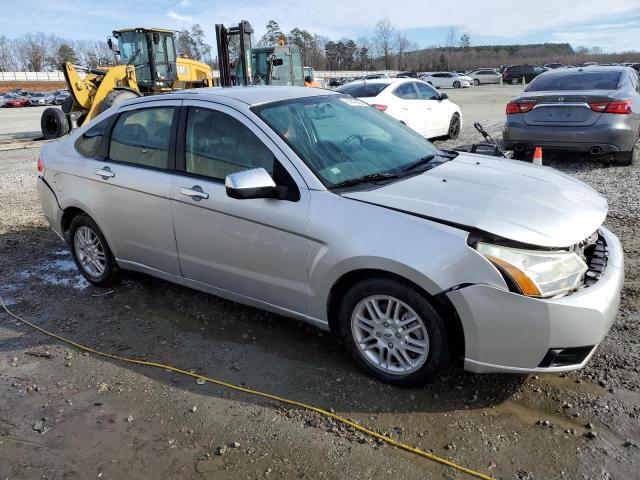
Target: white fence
x=327, y=74
x=31, y=77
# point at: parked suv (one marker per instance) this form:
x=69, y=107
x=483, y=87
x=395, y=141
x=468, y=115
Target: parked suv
x=593, y=110
x=513, y=74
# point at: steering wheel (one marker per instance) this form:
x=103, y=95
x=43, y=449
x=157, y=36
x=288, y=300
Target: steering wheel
x=350, y=138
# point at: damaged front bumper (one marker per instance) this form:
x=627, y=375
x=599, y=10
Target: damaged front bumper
x=508, y=332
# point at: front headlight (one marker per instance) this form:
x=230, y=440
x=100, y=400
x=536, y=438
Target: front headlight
x=537, y=273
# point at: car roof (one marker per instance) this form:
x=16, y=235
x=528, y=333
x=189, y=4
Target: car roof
x=590, y=68
x=385, y=81
x=251, y=95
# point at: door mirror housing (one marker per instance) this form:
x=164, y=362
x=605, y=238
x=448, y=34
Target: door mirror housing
x=254, y=183
x=443, y=96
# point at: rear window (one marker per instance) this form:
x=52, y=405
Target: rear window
x=363, y=90
x=576, y=81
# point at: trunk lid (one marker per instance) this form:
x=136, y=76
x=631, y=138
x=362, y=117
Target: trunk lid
x=563, y=109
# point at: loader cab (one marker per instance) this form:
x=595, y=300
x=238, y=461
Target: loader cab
x=275, y=65
x=153, y=54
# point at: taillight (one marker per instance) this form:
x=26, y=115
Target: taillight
x=377, y=106
x=40, y=166
x=515, y=107
x=622, y=107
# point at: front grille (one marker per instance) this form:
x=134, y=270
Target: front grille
x=564, y=357
x=596, y=255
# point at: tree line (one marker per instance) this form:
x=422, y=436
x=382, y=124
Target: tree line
x=387, y=49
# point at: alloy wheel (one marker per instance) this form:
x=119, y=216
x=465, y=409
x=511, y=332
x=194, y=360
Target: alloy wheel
x=390, y=335
x=90, y=251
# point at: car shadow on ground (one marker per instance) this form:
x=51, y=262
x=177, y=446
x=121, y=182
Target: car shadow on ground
x=147, y=318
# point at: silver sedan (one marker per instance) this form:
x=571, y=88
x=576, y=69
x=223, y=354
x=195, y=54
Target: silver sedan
x=315, y=205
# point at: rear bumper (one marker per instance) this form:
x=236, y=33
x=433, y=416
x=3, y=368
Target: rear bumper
x=610, y=134
x=50, y=208
x=506, y=332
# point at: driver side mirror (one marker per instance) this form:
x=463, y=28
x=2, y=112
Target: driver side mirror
x=254, y=183
x=443, y=96
x=112, y=46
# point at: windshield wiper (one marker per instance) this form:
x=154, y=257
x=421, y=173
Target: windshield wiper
x=372, y=177
x=425, y=160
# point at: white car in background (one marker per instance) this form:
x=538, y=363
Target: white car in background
x=447, y=80
x=412, y=102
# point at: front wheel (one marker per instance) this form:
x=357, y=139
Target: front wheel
x=91, y=253
x=514, y=81
x=393, y=332
x=456, y=84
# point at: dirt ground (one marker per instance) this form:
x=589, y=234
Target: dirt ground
x=66, y=415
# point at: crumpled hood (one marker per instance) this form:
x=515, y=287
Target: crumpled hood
x=514, y=200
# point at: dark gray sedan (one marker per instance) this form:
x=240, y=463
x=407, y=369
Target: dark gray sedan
x=594, y=110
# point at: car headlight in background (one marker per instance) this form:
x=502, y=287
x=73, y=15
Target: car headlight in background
x=537, y=273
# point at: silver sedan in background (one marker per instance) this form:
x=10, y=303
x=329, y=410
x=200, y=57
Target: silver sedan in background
x=484, y=76
x=317, y=206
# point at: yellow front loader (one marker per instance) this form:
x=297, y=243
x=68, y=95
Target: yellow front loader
x=148, y=66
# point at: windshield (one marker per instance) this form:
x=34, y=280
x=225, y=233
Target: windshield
x=342, y=139
x=596, y=80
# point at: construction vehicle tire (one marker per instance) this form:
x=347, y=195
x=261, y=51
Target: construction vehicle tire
x=67, y=104
x=117, y=96
x=54, y=123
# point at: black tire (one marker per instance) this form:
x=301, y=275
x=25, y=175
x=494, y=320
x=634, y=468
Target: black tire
x=520, y=155
x=437, y=358
x=54, y=123
x=454, y=127
x=67, y=104
x=476, y=82
x=111, y=270
x=117, y=96
x=514, y=81
x=456, y=84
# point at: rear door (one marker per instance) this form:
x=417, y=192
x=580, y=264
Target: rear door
x=409, y=107
x=254, y=248
x=126, y=190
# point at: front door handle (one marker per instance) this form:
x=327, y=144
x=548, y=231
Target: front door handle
x=194, y=192
x=104, y=172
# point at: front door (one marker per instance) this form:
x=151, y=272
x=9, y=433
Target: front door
x=412, y=110
x=255, y=248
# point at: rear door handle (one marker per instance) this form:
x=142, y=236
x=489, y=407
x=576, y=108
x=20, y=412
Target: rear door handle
x=194, y=192
x=104, y=172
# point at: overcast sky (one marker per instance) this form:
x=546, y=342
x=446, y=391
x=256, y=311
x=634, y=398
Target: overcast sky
x=613, y=25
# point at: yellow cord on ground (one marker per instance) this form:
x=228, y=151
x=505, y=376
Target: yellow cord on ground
x=238, y=388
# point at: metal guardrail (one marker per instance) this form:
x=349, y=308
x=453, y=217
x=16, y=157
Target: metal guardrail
x=31, y=77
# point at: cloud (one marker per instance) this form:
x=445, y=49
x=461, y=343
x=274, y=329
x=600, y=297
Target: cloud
x=184, y=4
x=180, y=17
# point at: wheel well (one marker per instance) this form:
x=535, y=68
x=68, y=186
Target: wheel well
x=68, y=215
x=442, y=304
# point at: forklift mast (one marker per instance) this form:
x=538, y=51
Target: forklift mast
x=243, y=75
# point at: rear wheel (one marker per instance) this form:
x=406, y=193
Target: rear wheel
x=476, y=82
x=393, y=332
x=90, y=251
x=454, y=127
x=117, y=96
x=625, y=158
x=54, y=123
x=514, y=81
x=456, y=84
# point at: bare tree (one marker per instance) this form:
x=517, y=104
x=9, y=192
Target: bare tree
x=450, y=43
x=7, y=60
x=383, y=39
x=402, y=48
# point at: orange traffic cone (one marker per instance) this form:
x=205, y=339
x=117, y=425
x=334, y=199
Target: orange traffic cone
x=537, y=156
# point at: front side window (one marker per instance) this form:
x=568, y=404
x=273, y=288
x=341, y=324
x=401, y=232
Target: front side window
x=427, y=92
x=406, y=91
x=342, y=139
x=89, y=142
x=217, y=144
x=142, y=137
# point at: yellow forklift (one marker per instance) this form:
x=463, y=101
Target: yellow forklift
x=148, y=66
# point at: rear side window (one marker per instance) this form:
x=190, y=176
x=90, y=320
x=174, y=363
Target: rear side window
x=88, y=144
x=363, y=90
x=576, y=80
x=142, y=137
x=406, y=91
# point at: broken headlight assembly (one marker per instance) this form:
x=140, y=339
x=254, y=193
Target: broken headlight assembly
x=536, y=273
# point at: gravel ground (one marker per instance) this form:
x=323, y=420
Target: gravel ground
x=68, y=415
